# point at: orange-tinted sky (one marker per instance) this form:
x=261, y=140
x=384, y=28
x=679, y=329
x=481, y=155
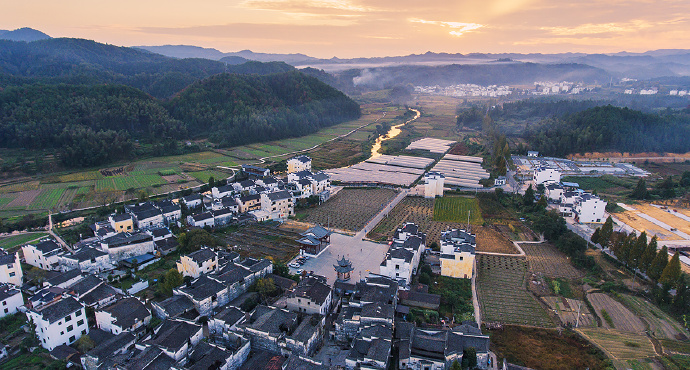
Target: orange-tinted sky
x=354, y=28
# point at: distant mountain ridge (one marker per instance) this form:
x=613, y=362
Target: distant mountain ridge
x=23, y=34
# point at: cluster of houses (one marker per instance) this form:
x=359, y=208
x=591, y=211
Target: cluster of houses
x=262, y=197
x=572, y=201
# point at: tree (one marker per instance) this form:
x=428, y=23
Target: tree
x=658, y=264
x=211, y=182
x=528, y=198
x=193, y=240
x=168, y=281
x=455, y=366
x=424, y=278
x=671, y=274
x=541, y=204
x=596, y=236
x=640, y=191
x=606, y=231
x=648, y=255
x=469, y=358
x=84, y=344
x=637, y=249
x=265, y=287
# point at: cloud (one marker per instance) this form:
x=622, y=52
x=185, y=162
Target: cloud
x=456, y=28
x=303, y=6
x=600, y=28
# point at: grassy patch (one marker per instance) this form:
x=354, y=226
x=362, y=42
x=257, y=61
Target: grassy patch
x=608, y=318
x=456, y=295
x=546, y=349
x=47, y=199
x=457, y=209
x=17, y=240
x=203, y=176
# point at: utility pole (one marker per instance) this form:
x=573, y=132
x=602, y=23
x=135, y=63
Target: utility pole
x=577, y=320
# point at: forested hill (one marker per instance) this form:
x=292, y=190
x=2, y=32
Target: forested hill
x=610, y=128
x=78, y=61
x=237, y=109
x=89, y=125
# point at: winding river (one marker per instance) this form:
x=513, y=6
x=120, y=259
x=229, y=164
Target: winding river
x=393, y=132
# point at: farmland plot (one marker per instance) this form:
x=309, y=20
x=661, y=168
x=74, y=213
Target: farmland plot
x=620, y=345
x=23, y=199
x=544, y=258
x=567, y=310
x=457, y=209
x=350, y=209
x=621, y=318
x=660, y=324
x=260, y=241
x=503, y=296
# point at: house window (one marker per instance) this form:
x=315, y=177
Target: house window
x=10, y=266
x=4, y=303
x=70, y=328
x=299, y=300
x=67, y=318
x=12, y=274
x=83, y=332
x=7, y=310
x=397, y=267
x=80, y=322
x=78, y=313
x=72, y=339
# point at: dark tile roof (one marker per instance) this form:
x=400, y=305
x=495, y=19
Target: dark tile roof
x=272, y=320
x=173, y=334
x=202, y=288
x=400, y=253
x=295, y=362
x=230, y=315
x=176, y=305
x=63, y=352
x=101, y=293
x=302, y=158
x=98, y=335
x=206, y=356
x=410, y=298
x=8, y=290
x=48, y=246
x=109, y=347
x=87, y=253
x=152, y=358
x=303, y=174
x=269, y=180
x=232, y=273
x=279, y=195
x=191, y=198
x=318, y=231
x=167, y=244
x=306, y=329
x=378, y=310
x=202, y=216
x=304, y=182
x=60, y=309
x=203, y=254
x=7, y=258
x=127, y=311
x=121, y=239
x=247, y=183
x=167, y=206
x=313, y=288
x=320, y=176
x=282, y=282
x=160, y=231
x=83, y=286
x=225, y=188
x=249, y=198
x=263, y=360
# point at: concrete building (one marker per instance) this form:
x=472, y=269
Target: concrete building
x=500, y=181
x=203, y=261
x=201, y=220
x=589, y=208
x=299, y=163
x=311, y=296
x=553, y=192
x=87, y=259
x=544, y=175
x=457, y=253
x=171, y=212
x=125, y=245
x=62, y=322
x=433, y=184
x=122, y=222
x=10, y=268
x=404, y=254
x=206, y=293
x=192, y=201
x=44, y=255
x=125, y=315
x=248, y=203
x=10, y=300
x=280, y=205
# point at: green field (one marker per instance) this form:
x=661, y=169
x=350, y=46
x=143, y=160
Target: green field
x=12, y=241
x=503, y=296
x=203, y=176
x=620, y=345
x=456, y=209
x=47, y=199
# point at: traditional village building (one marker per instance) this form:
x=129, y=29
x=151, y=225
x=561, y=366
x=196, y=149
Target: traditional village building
x=10, y=268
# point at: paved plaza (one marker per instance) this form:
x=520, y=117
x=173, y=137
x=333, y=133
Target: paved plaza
x=366, y=257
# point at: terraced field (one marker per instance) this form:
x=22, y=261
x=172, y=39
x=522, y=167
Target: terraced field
x=661, y=325
x=620, y=317
x=503, y=296
x=544, y=258
x=13, y=241
x=350, y=209
x=620, y=345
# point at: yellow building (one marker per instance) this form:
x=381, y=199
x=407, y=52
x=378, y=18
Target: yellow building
x=297, y=164
x=121, y=223
x=457, y=254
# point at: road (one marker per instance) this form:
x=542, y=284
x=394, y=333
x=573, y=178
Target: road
x=376, y=219
x=56, y=236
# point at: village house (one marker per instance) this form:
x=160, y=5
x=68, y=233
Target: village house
x=10, y=268
x=106, y=352
x=159, y=233
x=203, y=261
x=230, y=356
x=175, y=306
x=10, y=299
x=371, y=348
x=589, y=208
x=245, y=186
x=87, y=259
x=280, y=205
x=226, y=321
x=125, y=315
x=255, y=171
x=192, y=201
x=545, y=175
x=146, y=215
x=270, y=183
x=404, y=254
x=44, y=255
x=92, y=292
x=64, y=279
x=121, y=222
x=206, y=293
x=312, y=296
x=248, y=203
x=176, y=337
x=281, y=331
x=228, y=202
x=222, y=191
x=222, y=217
x=62, y=322
x=171, y=212
x=126, y=245
x=299, y=163
x=201, y=220
x=438, y=349
x=314, y=240
x=457, y=253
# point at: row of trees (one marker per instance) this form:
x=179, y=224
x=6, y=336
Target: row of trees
x=667, y=189
x=640, y=255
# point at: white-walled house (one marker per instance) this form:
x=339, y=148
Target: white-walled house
x=44, y=255
x=433, y=184
x=203, y=261
x=62, y=322
x=10, y=300
x=201, y=220
x=589, y=208
x=402, y=259
x=546, y=176
x=10, y=268
x=87, y=259
x=279, y=205
x=297, y=164
x=553, y=192
x=176, y=337
x=312, y=295
x=127, y=314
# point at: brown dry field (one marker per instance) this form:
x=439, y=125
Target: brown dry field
x=489, y=240
x=638, y=223
x=664, y=216
x=24, y=198
x=546, y=259
x=567, y=309
x=623, y=319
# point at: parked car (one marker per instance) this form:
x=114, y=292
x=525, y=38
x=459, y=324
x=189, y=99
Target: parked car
x=294, y=265
x=299, y=271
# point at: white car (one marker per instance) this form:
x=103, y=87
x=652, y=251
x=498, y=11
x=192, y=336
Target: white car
x=294, y=265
